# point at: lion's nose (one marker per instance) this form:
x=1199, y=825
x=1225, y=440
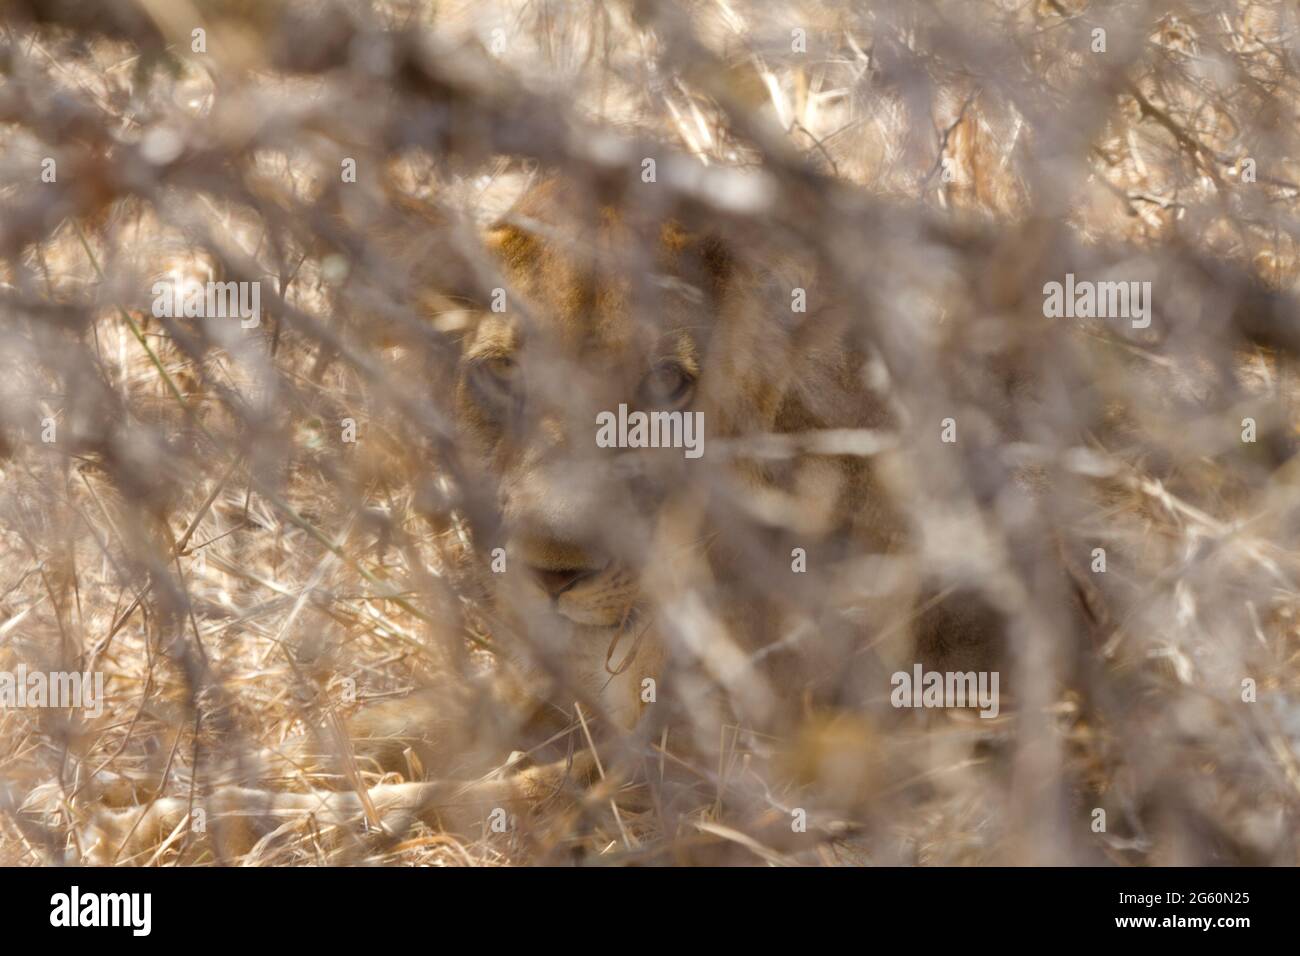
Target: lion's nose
x=556, y=581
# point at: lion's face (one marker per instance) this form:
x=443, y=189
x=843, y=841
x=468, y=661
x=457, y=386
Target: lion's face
x=648, y=318
x=580, y=341
x=572, y=513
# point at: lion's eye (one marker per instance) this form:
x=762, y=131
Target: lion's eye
x=667, y=384
x=496, y=380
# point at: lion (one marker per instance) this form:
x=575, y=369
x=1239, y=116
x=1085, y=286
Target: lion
x=643, y=599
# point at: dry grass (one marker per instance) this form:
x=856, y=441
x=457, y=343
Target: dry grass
x=199, y=533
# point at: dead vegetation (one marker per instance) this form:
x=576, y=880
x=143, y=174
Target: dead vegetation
x=179, y=510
